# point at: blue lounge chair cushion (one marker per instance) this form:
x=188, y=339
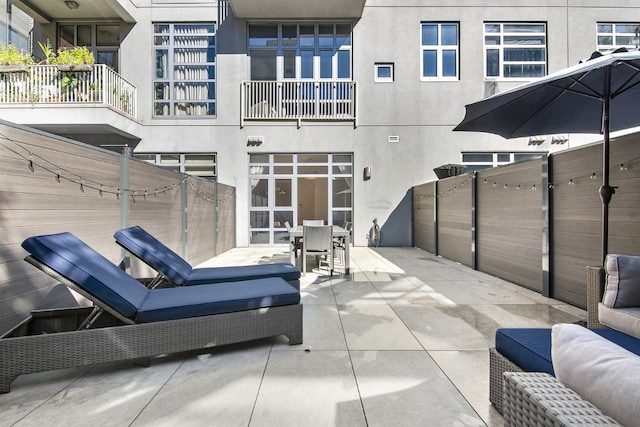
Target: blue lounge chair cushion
x=111, y=286
x=192, y=301
x=162, y=259
x=201, y=276
x=155, y=253
x=530, y=348
x=92, y=272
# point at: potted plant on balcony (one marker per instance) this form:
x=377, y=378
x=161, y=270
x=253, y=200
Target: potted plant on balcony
x=70, y=62
x=14, y=60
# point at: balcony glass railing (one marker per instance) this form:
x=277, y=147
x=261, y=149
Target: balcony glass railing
x=332, y=100
x=46, y=84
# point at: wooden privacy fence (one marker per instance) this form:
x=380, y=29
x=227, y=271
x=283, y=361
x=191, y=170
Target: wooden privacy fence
x=535, y=223
x=50, y=184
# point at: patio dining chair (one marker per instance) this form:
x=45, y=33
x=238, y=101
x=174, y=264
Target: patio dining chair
x=340, y=243
x=318, y=240
x=312, y=222
x=297, y=243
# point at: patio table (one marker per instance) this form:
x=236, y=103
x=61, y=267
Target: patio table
x=338, y=233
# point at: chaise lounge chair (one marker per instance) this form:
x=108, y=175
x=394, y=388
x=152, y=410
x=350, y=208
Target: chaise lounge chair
x=179, y=272
x=130, y=321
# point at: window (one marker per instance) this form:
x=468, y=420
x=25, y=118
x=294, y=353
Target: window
x=475, y=161
x=306, y=51
x=103, y=40
x=14, y=27
x=185, y=71
x=198, y=164
x=439, y=58
x=383, y=73
x=612, y=36
x=515, y=50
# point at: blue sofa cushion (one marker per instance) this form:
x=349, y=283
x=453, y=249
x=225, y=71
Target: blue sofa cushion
x=201, y=276
x=183, y=302
x=155, y=253
x=530, y=348
x=92, y=272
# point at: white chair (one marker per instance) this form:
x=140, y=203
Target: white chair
x=313, y=222
x=317, y=239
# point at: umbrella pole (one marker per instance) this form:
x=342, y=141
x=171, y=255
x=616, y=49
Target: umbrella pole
x=606, y=191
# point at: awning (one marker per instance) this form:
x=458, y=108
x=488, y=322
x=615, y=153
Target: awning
x=297, y=9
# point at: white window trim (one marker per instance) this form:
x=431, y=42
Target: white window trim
x=378, y=79
x=609, y=48
x=501, y=47
x=439, y=48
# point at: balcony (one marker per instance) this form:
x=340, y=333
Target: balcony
x=44, y=84
x=309, y=100
x=94, y=101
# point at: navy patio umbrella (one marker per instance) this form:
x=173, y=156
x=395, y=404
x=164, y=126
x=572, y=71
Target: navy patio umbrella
x=598, y=96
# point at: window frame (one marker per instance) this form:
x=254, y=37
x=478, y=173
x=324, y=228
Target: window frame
x=501, y=47
x=182, y=162
x=95, y=48
x=313, y=45
x=167, y=84
x=614, y=34
x=376, y=72
x=440, y=49
x=497, y=158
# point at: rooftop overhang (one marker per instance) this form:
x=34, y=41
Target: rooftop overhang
x=297, y=9
x=46, y=11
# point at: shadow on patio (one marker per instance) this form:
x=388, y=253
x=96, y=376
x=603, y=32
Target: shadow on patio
x=402, y=341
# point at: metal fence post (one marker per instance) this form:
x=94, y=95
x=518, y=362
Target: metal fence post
x=125, y=201
x=185, y=217
x=474, y=216
x=435, y=219
x=546, y=226
x=216, y=218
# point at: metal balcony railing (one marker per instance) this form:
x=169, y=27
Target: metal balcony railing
x=46, y=84
x=330, y=100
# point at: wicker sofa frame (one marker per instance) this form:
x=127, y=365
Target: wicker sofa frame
x=538, y=399
x=37, y=352
x=499, y=364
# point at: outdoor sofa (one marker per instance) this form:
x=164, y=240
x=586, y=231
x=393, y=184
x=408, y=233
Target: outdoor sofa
x=595, y=364
x=130, y=321
x=173, y=268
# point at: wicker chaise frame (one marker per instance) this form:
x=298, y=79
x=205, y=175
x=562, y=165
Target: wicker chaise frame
x=538, y=399
x=37, y=353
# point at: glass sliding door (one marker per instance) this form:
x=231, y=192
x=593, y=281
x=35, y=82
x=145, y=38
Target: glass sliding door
x=294, y=187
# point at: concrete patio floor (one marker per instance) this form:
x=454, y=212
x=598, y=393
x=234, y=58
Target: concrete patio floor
x=402, y=341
